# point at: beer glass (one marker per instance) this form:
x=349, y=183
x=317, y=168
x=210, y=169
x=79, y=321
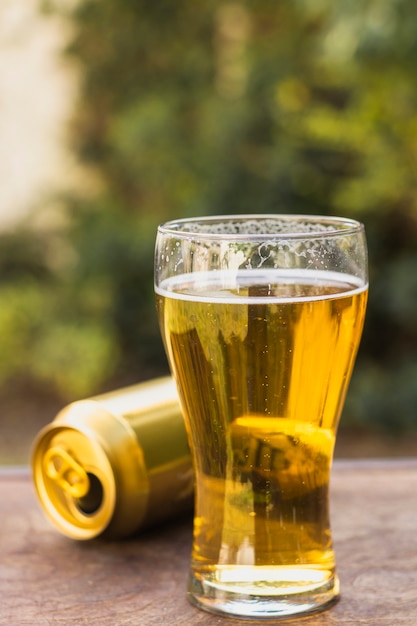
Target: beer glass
x=261, y=317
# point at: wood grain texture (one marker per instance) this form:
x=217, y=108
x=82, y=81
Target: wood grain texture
x=47, y=579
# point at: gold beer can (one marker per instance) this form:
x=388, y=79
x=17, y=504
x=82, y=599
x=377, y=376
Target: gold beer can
x=114, y=464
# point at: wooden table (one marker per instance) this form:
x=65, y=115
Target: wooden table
x=46, y=578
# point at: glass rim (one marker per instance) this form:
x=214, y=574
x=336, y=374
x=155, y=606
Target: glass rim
x=343, y=226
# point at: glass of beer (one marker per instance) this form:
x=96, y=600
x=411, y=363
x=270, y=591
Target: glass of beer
x=261, y=317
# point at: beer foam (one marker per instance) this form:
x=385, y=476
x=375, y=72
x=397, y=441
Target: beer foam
x=219, y=286
x=252, y=242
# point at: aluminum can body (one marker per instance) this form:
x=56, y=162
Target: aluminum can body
x=114, y=464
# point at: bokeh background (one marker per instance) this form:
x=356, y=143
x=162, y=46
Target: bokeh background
x=118, y=115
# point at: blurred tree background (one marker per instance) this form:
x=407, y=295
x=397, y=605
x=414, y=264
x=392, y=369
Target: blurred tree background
x=216, y=107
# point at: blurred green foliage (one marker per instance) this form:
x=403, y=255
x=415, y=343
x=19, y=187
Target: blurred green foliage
x=218, y=107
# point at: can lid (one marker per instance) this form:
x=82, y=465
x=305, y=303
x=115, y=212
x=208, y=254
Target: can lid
x=89, y=473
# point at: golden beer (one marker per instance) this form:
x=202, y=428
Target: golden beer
x=262, y=361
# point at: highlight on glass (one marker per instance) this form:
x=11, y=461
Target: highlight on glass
x=261, y=318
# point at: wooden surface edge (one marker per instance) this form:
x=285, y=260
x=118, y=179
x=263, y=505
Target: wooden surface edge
x=24, y=471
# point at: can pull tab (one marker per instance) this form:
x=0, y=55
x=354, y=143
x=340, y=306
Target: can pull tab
x=66, y=472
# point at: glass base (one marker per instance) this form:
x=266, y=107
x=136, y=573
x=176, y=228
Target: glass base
x=257, y=592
